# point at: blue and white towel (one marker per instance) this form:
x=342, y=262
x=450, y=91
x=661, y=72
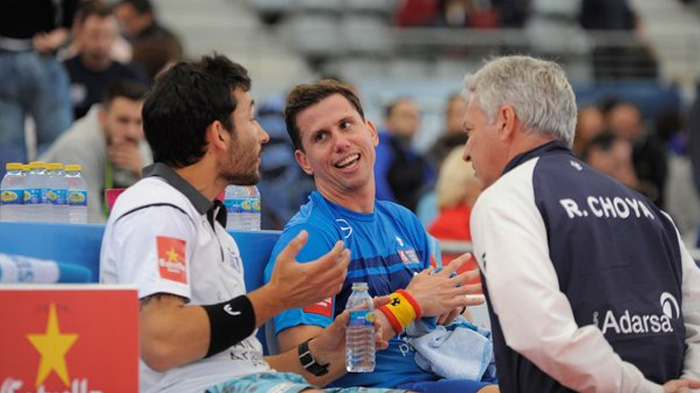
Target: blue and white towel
x=459, y=350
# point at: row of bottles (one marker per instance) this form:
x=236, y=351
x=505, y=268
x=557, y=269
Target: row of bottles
x=42, y=192
x=242, y=207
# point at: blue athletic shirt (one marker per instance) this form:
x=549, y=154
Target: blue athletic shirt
x=387, y=248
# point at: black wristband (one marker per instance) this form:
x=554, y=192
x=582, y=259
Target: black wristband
x=229, y=323
x=308, y=361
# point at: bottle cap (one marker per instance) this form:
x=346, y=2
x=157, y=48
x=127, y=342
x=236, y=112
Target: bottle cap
x=54, y=166
x=37, y=165
x=74, y=168
x=13, y=166
x=359, y=286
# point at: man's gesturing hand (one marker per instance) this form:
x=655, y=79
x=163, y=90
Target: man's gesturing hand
x=301, y=284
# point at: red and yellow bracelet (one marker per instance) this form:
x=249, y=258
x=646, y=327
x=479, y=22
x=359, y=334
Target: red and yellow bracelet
x=401, y=310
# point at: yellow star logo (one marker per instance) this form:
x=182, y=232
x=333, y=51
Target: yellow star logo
x=172, y=255
x=53, y=347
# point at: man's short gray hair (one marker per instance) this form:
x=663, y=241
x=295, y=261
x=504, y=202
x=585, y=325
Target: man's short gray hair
x=537, y=90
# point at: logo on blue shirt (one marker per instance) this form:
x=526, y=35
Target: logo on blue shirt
x=345, y=227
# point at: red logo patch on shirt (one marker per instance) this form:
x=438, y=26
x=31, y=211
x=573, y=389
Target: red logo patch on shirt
x=324, y=308
x=171, y=259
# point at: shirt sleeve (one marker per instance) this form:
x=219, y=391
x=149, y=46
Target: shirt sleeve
x=690, y=305
x=319, y=243
x=152, y=249
x=510, y=243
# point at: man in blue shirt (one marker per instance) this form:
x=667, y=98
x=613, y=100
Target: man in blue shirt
x=336, y=145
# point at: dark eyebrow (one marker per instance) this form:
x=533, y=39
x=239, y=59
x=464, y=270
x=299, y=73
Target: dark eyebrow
x=348, y=118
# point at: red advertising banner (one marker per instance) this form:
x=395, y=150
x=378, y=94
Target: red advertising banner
x=68, y=339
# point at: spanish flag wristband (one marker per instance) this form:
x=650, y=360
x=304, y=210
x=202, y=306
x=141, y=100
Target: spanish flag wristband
x=401, y=310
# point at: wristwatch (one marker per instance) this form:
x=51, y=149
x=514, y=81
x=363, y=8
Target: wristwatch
x=307, y=360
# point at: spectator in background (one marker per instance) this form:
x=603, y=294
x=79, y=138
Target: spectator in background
x=454, y=134
x=613, y=59
x=589, y=124
x=108, y=142
x=607, y=15
x=681, y=199
x=448, y=13
x=93, y=68
x=613, y=156
x=283, y=185
x=32, y=80
x=464, y=13
x=693, y=126
x=121, y=49
x=401, y=174
x=416, y=13
x=513, y=14
x=154, y=46
x=649, y=152
x=453, y=13
x=457, y=190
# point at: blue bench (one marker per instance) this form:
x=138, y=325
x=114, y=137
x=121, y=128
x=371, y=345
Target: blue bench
x=80, y=245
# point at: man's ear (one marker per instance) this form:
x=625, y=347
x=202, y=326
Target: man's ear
x=303, y=162
x=507, y=120
x=373, y=132
x=217, y=136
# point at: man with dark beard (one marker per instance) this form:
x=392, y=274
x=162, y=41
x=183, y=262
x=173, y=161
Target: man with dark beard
x=166, y=236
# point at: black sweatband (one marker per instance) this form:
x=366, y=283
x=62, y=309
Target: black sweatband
x=229, y=323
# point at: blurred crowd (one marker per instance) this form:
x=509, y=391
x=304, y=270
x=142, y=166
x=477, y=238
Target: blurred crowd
x=79, y=70
x=58, y=58
x=76, y=65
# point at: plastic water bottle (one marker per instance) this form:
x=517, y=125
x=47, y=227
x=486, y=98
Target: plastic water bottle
x=58, y=194
x=23, y=216
x=36, y=206
x=247, y=207
x=12, y=193
x=359, y=334
x=77, y=195
x=253, y=215
x=234, y=199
